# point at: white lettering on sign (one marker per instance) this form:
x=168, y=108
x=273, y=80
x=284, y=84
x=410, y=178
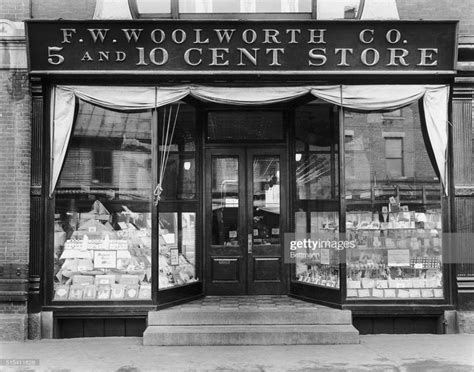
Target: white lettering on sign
x=67, y=34
x=98, y=33
x=187, y=57
x=343, y=52
x=132, y=33
x=316, y=36
x=428, y=55
x=244, y=47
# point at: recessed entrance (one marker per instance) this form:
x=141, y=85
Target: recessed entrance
x=245, y=220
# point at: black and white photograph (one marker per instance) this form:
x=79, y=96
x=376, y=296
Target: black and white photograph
x=236, y=185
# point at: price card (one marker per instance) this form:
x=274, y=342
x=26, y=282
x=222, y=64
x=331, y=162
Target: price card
x=174, y=256
x=105, y=259
x=325, y=256
x=398, y=257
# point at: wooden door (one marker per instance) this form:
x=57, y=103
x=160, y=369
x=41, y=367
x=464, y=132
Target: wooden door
x=245, y=210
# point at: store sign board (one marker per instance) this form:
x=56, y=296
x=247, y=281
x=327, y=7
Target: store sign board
x=240, y=47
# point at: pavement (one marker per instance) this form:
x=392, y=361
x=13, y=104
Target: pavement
x=417, y=352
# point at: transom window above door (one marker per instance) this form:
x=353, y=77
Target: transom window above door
x=315, y=9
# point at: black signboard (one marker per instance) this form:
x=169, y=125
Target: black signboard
x=242, y=47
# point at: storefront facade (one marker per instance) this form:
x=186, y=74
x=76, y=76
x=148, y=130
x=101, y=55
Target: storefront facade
x=181, y=159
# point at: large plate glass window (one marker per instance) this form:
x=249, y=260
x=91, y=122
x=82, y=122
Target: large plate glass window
x=102, y=213
x=393, y=201
x=317, y=193
x=178, y=204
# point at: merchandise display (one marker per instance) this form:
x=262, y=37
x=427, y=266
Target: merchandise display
x=398, y=253
x=319, y=266
x=176, y=250
x=102, y=256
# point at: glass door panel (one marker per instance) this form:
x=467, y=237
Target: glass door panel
x=265, y=251
x=225, y=255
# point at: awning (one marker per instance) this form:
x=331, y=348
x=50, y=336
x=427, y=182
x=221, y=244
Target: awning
x=357, y=97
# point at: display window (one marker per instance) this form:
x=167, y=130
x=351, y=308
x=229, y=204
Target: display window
x=102, y=213
x=178, y=198
x=129, y=198
x=393, y=208
x=317, y=191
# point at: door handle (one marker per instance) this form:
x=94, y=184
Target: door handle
x=250, y=243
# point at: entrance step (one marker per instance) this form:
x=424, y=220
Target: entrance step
x=250, y=335
x=257, y=320
x=319, y=315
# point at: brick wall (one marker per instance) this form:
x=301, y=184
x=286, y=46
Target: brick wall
x=15, y=141
x=15, y=10
x=462, y=10
x=66, y=9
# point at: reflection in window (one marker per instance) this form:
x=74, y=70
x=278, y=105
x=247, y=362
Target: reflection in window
x=102, y=167
x=179, y=178
x=394, y=156
x=178, y=200
x=316, y=152
x=102, y=230
x=393, y=213
x=225, y=200
x=317, y=195
x=266, y=200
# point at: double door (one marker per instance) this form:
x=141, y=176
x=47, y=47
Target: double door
x=245, y=220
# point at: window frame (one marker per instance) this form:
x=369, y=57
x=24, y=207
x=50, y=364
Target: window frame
x=176, y=14
x=101, y=168
x=401, y=157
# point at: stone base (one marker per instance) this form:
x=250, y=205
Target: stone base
x=465, y=321
x=34, y=326
x=249, y=320
x=450, y=322
x=13, y=327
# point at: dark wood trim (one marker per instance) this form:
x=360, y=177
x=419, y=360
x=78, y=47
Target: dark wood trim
x=37, y=194
x=155, y=161
x=394, y=309
x=342, y=203
x=314, y=9
x=99, y=311
x=462, y=138
x=185, y=293
x=174, y=9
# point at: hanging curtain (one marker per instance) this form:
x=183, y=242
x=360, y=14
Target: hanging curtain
x=61, y=129
x=247, y=96
x=358, y=97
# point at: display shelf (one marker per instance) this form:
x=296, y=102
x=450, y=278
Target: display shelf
x=395, y=262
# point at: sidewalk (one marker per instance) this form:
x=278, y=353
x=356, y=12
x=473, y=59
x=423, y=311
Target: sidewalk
x=374, y=353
